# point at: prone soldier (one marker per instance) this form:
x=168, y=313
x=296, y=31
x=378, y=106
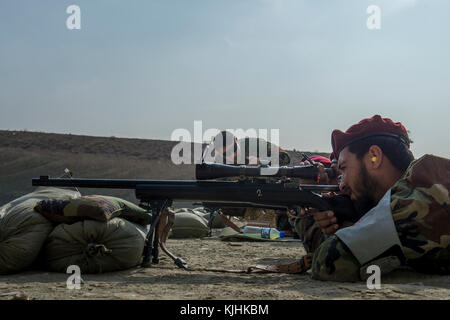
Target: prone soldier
x=405, y=204
x=228, y=150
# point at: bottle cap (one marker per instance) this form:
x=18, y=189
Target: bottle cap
x=281, y=234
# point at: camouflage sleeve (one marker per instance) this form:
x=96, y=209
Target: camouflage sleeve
x=308, y=232
x=421, y=216
x=421, y=213
x=333, y=261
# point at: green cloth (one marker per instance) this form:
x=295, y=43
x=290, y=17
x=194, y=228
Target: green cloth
x=95, y=207
x=229, y=234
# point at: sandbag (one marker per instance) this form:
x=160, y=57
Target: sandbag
x=213, y=218
x=188, y=225
x=95, y=207
x=23, y=231
x=95, y=247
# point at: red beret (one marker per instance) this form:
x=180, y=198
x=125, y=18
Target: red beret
x=316, y=158
x=375, y=126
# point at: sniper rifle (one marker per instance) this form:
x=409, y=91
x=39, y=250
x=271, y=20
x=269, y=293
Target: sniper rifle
x=252, y=189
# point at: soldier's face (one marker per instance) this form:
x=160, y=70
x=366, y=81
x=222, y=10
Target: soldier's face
x=356, y=181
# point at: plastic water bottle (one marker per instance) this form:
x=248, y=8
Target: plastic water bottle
x=265, y=233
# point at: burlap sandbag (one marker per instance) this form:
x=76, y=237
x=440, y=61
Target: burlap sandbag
x=23, y=231
x=188, y=225
x=95, y=247
x=213, y=218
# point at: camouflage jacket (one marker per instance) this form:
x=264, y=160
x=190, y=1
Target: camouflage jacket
x=419, y=207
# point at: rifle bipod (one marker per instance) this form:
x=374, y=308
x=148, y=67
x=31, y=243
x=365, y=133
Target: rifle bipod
x=162, y=221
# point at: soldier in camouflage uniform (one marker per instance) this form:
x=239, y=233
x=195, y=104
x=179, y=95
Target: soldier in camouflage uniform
x=228, y=150
x=406, y=205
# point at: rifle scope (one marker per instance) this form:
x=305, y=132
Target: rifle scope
x=206, y=171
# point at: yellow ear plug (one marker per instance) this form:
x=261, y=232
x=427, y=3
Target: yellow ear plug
x=374, y=159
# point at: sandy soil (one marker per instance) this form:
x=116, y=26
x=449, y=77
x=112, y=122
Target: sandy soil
x=165, y=281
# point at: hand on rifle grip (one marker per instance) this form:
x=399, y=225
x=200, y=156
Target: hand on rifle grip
x=326, y=221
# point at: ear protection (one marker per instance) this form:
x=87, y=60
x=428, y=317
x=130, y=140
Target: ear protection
x=374, y=159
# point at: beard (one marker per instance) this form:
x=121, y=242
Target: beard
x=366, y=189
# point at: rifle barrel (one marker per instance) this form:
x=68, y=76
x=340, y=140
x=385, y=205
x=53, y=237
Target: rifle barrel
x=132, y=183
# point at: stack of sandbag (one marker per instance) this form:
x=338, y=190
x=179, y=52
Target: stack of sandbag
x=194, y=223
x=96, y=233
x=23, y=231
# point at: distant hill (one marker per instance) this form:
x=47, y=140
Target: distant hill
x=25, y=155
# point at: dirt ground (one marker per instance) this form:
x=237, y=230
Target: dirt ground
x=165, y=281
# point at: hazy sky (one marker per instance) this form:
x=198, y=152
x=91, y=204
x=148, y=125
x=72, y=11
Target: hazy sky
x=145, y=68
